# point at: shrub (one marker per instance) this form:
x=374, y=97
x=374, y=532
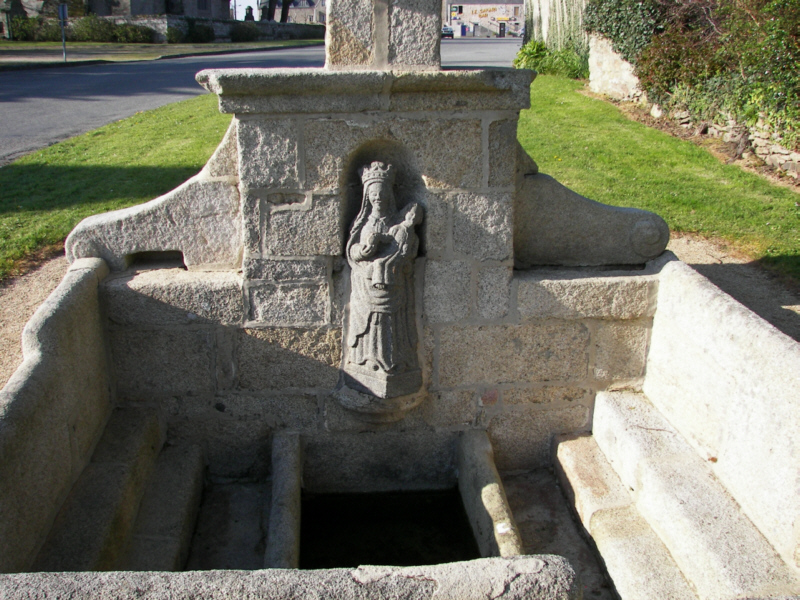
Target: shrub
x=716, y=58
x=24, y=28
x=93, y=29
x=531, y=55
x=244, y=32
x=128, y=33
x=198, y=33
x=568, y=62
x=175, y=35
x=49, y=31
x=677, y=56
x=37, y=29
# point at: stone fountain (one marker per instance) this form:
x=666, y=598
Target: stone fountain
x=370, y=288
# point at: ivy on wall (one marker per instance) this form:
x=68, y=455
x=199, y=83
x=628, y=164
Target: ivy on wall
x=629, y=24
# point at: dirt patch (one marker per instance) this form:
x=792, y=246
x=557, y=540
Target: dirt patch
x=19, y=299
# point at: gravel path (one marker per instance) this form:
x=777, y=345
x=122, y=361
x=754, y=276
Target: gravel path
x=753, y=286
x=19, y=299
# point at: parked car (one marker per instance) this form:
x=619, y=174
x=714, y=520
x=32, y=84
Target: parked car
x=447, y=32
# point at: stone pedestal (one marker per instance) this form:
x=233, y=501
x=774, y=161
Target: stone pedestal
x=383, y=34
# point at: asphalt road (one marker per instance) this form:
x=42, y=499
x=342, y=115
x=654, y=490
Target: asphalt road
x=39, y=107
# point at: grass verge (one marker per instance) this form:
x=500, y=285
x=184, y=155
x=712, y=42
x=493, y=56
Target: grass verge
x=45, y=194
x=591, y=147
x=23, y=53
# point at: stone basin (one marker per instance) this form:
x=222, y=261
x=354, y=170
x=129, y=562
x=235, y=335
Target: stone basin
x=182, y=387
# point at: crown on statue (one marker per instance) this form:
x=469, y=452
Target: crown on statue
x=376, y=171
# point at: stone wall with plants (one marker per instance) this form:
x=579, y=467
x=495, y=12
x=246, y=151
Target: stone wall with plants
x=718, y=60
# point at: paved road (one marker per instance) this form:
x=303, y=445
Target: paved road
x=42, y=106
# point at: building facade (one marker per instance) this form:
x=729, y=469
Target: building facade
x=481, y=17
x=300, y=11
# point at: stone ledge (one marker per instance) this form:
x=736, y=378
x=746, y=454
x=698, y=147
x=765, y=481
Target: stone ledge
x=570, y=295
x=164, y=297
x=245, y=91
x=541, y=577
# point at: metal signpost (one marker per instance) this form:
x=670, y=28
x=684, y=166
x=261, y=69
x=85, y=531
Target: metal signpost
x=62, y=20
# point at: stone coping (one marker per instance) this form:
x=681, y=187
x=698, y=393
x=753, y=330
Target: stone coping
x=540, y=577
x=336, y=91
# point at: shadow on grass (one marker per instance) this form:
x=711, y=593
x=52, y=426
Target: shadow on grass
x=44, y=187
x=784, y=263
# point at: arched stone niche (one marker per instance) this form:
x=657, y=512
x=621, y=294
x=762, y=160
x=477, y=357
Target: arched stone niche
x=381, y=374
x=408, y=184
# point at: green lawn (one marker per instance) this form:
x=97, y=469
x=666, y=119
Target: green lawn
x=588, y=145
x=45, y=194
x=585, y=143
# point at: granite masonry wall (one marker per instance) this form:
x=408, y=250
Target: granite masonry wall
x=235, y=355
x=521, y=356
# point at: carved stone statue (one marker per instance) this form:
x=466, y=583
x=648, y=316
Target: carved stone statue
x=381, y=339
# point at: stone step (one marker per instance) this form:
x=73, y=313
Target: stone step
x=168, y=512
x=718, y=549
x=93, y=526
x=636, y=560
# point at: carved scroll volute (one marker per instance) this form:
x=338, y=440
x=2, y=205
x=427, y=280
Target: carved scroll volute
x=380, y=368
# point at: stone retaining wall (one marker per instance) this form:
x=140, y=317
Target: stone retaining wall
x=52, y=411
x=610, y=74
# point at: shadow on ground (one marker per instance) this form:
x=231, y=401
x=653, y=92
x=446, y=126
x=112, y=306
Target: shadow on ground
x=766, y=294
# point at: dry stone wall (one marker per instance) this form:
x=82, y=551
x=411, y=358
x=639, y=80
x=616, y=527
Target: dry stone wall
x=610, y=74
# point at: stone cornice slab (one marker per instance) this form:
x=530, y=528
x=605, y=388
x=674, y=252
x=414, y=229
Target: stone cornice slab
x=243, y=91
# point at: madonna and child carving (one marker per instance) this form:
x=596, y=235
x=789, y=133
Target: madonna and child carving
x=381, y=340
